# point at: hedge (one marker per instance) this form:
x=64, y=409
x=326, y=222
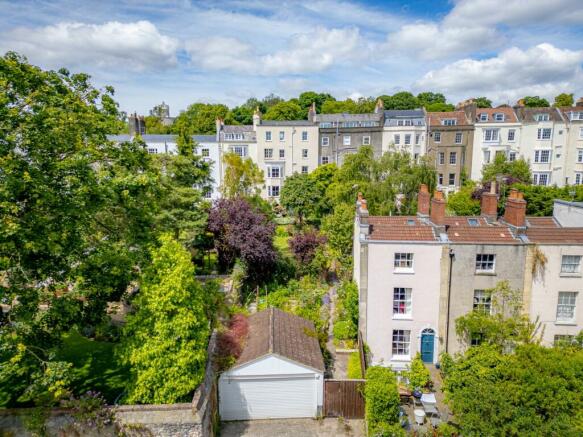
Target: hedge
x=381, y=395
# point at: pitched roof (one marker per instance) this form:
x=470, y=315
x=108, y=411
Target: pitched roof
x=348, y=117
x=436, y=118
x=555, y=236
x=541, y=222
x=287, y=123
x=400, y=228
x=526, y=115
x=404, y=113
x=273, y=331
x=509, y=115
x=237, y=128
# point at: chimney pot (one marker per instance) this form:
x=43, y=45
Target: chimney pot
x=363, y=205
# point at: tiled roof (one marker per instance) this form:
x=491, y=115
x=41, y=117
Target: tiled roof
x=566, y=111
x=526, y=115
x=273, y=331
x=488, y=234
x=510, y=116
x=435, y=118
x=541, y=222
x=400, y=228
x=555, y=236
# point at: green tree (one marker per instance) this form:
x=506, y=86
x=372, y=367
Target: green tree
x=535, y=102
x=299, y=195
x=269, y=101
x=462, y=202
x=429, y=98
x=381, y=398
x=306, y=99
x=242, y=115
x=540, y=199
x=400, y=100
x=322, y=177
x=338, y=228
x=165, y=339
x=483, y=102
x=200, y=118
x=518, y=170
x=284, y=111
x=154, y=125
x=439, y=107
x=564, y=99
x=242, y=177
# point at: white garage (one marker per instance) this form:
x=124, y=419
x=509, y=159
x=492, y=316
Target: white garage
x=279, y=374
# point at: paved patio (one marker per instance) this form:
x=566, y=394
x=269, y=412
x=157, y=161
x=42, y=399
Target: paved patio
x=329, y=427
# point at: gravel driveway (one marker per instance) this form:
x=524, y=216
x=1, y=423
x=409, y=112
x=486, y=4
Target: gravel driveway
x=329, y=427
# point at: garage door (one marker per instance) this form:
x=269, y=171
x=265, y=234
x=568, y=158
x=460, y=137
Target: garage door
x=242, y=399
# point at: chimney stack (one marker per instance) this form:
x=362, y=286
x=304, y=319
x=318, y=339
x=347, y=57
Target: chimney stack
x=579, y=102
x=490, y=203
x=437, y=209
x=423, y=199
x=380, y=106
x=515, y=213
x=312, y=112
x=256, y=117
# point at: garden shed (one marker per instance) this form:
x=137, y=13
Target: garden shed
x=279, y=374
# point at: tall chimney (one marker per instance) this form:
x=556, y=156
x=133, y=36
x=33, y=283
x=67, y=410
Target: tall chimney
x=437, y=209
x=312, y=112
x=380, y=106
x=490, y=203
x=515, y=213
x=423, y=201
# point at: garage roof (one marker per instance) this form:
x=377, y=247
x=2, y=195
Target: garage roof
x=273, y=331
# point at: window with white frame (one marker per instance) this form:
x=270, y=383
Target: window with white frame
x=511, y=134
x=401, y=342
x=273, y=171
x=417, y=138
x=437, y=137
x=325, y=141
x=229, y=136
x=544, y=133
x=239, y=150
x=282, y=153
x=304, y=153
x=542, y=117
x=441, y=158
x=407, y=138
x=305, y=135
x=498, y=116
x=451, y=180
x=511, y=156
x=273, y=191
x=540, y=178
x=152, y=150
x=366, y=141
x=304, y=169
x=401, y=302
x=453, y=158
x=449, y=122
x=440, y=179
x=325, y=160
x=486, y=156
x=346, y=140
x=566, y=306
x=281, y=135
x=397, y=139
x=326, y=124
x=576, y=115
x=207, y=193
x=579, y=155
x=403, y=260
x=484, y=116
x=482, y=301
x=491, y=135
x=563, y=340
x=579, y=178
x=268, y=135
x=570, y=263
x=205, y=152
x=542, y=156
x=458, y=137
x=268, y=153
x=485, y=262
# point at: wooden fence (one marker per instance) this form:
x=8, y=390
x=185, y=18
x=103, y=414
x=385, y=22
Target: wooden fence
x=344, y=398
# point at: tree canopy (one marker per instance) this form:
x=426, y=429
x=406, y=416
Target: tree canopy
x=242, y=177
x=299, y=195
x=518, y=170
x=483, y=102
x=284, y=111
x=564, y=99
x=535, y=102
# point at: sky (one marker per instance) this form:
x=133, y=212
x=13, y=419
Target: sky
x=183, y=52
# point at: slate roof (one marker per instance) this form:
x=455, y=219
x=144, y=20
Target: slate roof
x=347, y=117
x=526, y=115
x=435, y=118
x=509, y=115
x=273, y=331
x=237, y=128
x=286, y=123
x=404, y=113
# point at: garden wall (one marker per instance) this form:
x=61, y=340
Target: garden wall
x=195, y=419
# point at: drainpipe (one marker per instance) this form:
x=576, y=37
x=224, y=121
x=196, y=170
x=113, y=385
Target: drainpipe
x=451, y=260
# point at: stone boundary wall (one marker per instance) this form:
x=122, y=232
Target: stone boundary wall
x=194, y=419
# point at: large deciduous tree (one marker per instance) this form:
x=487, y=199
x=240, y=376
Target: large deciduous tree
x=200, y=118
x=242, y=177
x=517, y=171
x=165, y=339
x=483, y=102
x=563, y=99
x=299, y=195
x=284, y=111
x=535, y=102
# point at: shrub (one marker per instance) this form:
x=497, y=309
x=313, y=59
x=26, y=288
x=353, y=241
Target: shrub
x=418, y=375
x=381, y=397
x=304, y=245
x=90, y=409
x=386, y=430
x=230, y=341
x=446, y=364
x=344, y=330
x=353, y=367
x=347, y=312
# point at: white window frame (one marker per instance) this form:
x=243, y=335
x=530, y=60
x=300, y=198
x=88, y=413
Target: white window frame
x=417, y=138
x=449, y=122
x=511, y=156
x=441, y=158
x=281, y=153
x=242, y=152
x=267, y=153
x=581, y=133
x=487, y=156
x=402, y=303
x=401, y=344
x=403, y=262
x=482, y=301
x=499, y=116
x=304, y=153
x=271, y=189
x=571, y=264
x=366, y=140
x=542, y=117
x=397, y=139
x=453, y=158
x=485, y=263
x=541, y=178
x=346, y=140
x=325, y=141
x=484, y=116
x=274, y=171
x=205, y=152
x=268, y=135
x=459, y=137
x=304, y=135
x=544, y=133
x=579, y=156
x=407, y=139
x=511, y=135
x=578, y=178
x=449, y=179
x=440, y=179
x=542, y=156
x=566, y=306
x=491, y=135
x=281, y=135
x=437, y=137
x=152, y=151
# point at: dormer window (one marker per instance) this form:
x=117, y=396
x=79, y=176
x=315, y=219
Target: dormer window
x=449, y=122
x=498, y=117
x=542, y=117
x=576, y=115
x=483, y=116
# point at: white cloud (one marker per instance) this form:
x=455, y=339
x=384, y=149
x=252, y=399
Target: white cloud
x=540, y=70
x=306, y=53
x=529, y=12
x=435, y=41
x=136, y=46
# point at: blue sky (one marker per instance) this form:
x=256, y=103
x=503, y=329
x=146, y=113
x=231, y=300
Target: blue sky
x=207, y=51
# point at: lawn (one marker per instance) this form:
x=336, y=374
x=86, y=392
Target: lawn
x=280, y=241
x=95, y=366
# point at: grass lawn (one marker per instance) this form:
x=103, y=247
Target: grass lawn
x=280, y=240
x=95, y=366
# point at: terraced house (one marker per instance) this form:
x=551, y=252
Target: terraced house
x=417, y=274
x=405, y=130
